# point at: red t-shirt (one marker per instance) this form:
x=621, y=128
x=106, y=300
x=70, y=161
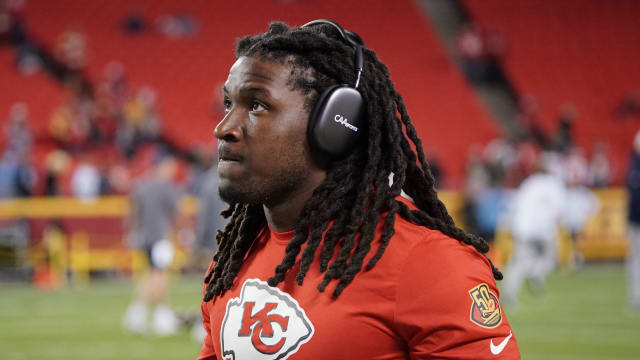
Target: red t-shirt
x=429, y=297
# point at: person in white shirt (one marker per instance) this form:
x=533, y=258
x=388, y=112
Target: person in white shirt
x=538, y=207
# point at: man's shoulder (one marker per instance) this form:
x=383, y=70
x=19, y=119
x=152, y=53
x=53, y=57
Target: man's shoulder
x=432, y=242
x=433, y=245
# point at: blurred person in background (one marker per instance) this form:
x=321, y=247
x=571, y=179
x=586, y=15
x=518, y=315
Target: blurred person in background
x=600, y=166
x=19, y=140
x=629, y=106
x=489, y=207
x=17, y=174
x=209, y=220
x=538, y=206
x=480, y=50
x=86, y=179
x=56, y=164
x=564, y=137
x=141, y=122
x=154, y=210
x=486, y=198
x=633, y=257
x=581, y=202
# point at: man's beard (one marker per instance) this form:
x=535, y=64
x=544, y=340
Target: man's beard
x=267, y=192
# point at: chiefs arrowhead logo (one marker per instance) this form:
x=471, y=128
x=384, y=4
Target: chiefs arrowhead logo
x=263, y=323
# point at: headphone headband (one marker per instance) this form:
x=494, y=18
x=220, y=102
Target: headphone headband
x=349, y=37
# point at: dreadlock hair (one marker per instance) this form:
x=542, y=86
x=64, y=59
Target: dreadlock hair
x=357, y=190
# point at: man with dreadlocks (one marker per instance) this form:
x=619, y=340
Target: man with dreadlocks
x=343, y=257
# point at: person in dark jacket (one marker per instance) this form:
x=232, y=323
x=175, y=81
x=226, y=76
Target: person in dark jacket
x=633, y=258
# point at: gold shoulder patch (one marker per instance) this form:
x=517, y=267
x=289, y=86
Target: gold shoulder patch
x=485, y=307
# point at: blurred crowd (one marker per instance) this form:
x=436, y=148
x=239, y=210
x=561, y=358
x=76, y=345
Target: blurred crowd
x=98, y=137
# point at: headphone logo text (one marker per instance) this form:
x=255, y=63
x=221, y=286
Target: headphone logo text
x=345, y=122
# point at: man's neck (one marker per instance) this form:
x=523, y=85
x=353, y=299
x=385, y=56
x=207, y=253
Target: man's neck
x=284, y=216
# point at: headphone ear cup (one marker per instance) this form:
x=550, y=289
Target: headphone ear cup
x=336, y=123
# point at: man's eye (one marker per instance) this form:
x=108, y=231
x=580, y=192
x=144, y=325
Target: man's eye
x=227, y=104
x=256, y=106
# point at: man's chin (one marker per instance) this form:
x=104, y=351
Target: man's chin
x=237, y=195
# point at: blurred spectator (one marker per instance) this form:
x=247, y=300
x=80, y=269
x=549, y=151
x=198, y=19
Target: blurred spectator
x=177, y=25
x=564, y=135
x=72, y=124
x=537, y=209
x=17, y=176
x=8, y=170
x=525, y=164
x=581, y=203
x=529, y=117
x=6, y=22
x=154, y=204
x=629, y=106
x=134, y=23
x=70, y=49
x=119, y=178
x=13, y=31
x=481, y=53
x=499, y=156
x=600, y=166
x=554, y=164
x=56, y=164
x=471, y=48
x=633, y=257
x=202, y=159
x=477, y=173
x=486, y=199
x=60, y=124
x=85, y=180
x=576, y=168
x=436, y=170
x=68, y=62
x=51, y=272
x=16, y=131
x=203, y=184
x=141, y=122
x=209, y=220
x=26, y=177
x=111, y=95
x=488, y=208
x=115, y=89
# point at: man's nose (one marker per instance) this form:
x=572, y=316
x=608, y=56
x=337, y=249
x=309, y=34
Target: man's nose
x=230, y=127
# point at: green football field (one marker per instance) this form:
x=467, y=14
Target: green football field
x=581, y=315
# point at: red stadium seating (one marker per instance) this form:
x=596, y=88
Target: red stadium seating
x=583, y=52
x=188, y=72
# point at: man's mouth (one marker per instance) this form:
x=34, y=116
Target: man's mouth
x=224, y=154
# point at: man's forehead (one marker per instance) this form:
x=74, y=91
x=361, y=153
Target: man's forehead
x=247, y=69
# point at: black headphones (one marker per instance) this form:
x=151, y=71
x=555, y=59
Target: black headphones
x=336, y=122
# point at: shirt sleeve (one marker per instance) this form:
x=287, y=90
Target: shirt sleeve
x=207, y=352
x=448, y=304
